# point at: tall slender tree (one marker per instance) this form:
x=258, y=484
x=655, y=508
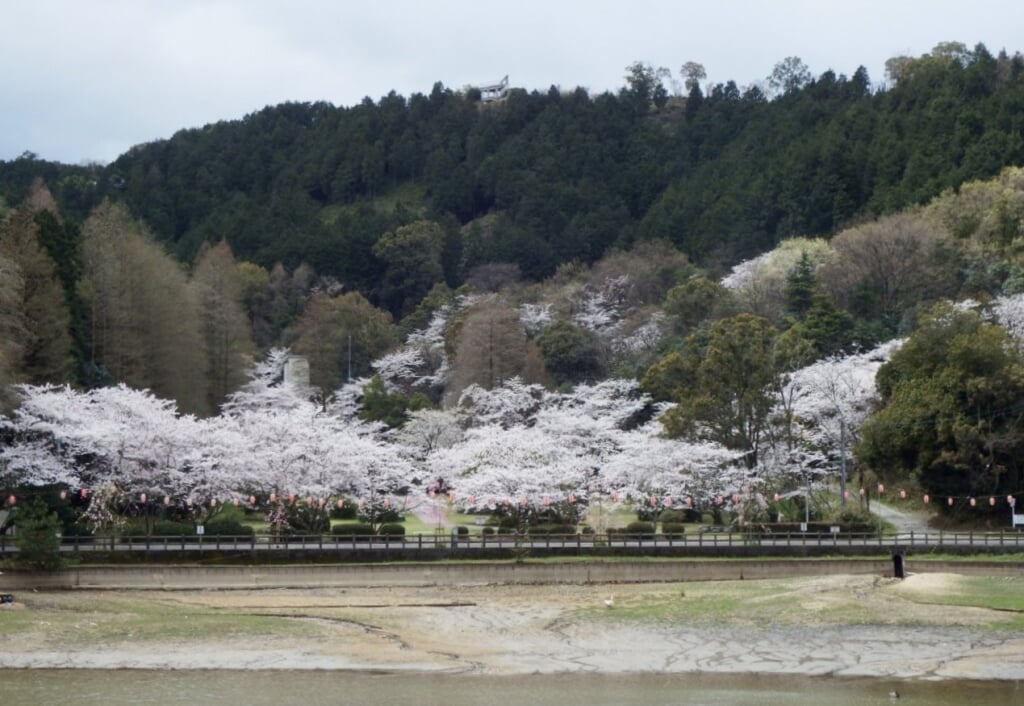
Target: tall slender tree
x=216, y=281
x=142, y=319
x=42, y=316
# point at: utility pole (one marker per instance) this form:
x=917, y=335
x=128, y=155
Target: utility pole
x=842, y=460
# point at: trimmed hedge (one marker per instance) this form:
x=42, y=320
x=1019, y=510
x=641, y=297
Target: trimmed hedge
x=228, y=527
x=673, y=530
x=635, y=530
x=391, y=529
x=549, y=529
x=169, y=528
x=350, y=529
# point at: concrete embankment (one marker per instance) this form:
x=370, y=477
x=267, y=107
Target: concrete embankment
x=475, y=573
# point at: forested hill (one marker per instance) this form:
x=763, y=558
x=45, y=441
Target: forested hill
x=724, y=173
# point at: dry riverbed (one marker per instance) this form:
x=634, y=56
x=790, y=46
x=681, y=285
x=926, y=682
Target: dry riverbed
x=840, y=625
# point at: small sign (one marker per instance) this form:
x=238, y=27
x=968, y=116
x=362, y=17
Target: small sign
x=200, y=530
x=803, y=526
x=834, y=529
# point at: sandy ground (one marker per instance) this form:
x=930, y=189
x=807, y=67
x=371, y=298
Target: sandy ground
x=543, y=629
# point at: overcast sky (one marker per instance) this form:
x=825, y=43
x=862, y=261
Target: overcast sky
x=84, y=80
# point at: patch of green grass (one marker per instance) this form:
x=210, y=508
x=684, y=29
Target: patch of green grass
x=1003, y=593
x=409, y=195
x=79, y=618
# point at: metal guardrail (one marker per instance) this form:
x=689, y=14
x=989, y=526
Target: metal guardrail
x=582, y=543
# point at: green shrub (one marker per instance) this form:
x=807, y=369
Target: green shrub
x=391, y=529
x=551, y=529
x=170, y=528
x=487, y=531
x=349, y=529
x=346, y=512
x=76, y=529
x=462, y=530
x=227, y=527
x=640, y=530
x=673, y=530
x=672, y=516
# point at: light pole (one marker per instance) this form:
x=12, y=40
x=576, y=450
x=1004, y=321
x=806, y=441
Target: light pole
x=842, y=459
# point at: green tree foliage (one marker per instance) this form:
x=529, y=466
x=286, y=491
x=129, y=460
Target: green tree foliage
x=735, y=382
x=571, y=174
x=413, y=257
x=800, y=287
x=951, y=420
x=697, y=300
x=571, y=354
x=390, y=407
x=37, y=536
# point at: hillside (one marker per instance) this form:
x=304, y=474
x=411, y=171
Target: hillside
x=690, y=259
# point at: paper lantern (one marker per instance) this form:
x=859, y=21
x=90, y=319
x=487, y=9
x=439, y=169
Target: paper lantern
x=83, y=493
x=11, y=500
x=63, y=495
x=167, y=500
x=777, y=497
x=252, y=500
x=903, y=495
x=881, y=488
x=926, y=499
x=654, y=501
x=235, y=502
x=689, y=501
x=309, y=501
x=340, y=504
x=949, y=501
x=273, y=497
x=668, y=502
x=973, y=502
x=213, y=502
x=846, y=495
x=572, y=498
x=735, y=498
x=142, y=498
x=991, y=502
x=862, y=492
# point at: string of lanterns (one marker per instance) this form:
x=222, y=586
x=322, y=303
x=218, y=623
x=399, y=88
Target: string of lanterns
x=652, y=500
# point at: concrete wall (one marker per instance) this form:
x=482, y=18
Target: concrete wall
x=477, y=573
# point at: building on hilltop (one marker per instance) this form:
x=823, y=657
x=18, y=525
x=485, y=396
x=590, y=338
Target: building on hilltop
x=494, y=91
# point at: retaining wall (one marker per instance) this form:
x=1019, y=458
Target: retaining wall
x=477, y=573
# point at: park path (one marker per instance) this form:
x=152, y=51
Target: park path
x=905, y=522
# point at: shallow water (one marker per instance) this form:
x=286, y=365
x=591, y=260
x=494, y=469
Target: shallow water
x=170, y=688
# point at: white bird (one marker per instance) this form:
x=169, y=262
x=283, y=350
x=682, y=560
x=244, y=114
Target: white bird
x=894, y=694
x=609, y=602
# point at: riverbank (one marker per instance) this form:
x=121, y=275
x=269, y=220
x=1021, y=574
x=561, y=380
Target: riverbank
x=847, y=625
